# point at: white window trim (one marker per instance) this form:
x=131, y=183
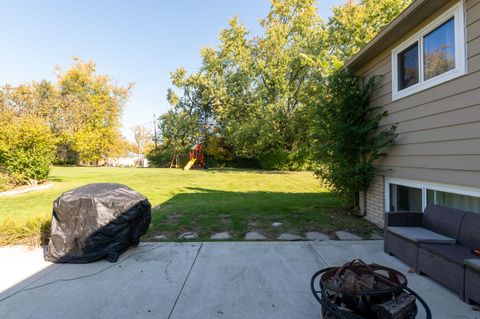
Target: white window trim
x=424, y=186
x=457, y=12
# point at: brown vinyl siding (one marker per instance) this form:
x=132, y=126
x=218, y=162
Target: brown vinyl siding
x=471, y=4
x=439, y=128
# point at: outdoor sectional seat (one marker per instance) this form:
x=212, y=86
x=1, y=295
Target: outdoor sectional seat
x=438, y=243
x=405, y=231
x=472, y=280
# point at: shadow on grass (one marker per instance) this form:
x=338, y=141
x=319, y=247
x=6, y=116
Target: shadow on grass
x=55, y=179
x=247, y=170
x=206, y=211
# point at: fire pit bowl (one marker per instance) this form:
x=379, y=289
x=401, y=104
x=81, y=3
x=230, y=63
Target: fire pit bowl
x=360, y=291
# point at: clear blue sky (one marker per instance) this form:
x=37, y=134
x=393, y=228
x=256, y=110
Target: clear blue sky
x=132, y=41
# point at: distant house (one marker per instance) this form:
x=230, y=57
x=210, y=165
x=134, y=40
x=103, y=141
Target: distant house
x=129, y=160
x=429, y=62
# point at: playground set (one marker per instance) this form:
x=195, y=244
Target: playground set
x=197, y=158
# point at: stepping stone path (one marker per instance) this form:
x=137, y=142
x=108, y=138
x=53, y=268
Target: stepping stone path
x=289, y=237
x=160, y=237
x=220, y=236
x=188, y=235
x=254, y=236
x=315, y=235
x=343, y=235
x=277, y=224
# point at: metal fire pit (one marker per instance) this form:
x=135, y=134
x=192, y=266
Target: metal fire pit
x=360, y=291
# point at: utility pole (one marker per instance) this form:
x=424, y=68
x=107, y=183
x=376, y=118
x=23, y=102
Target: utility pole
x=155, y=130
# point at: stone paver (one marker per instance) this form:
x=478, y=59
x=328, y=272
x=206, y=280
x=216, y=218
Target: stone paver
x=315, y=235
x=289, y=237
x=160, y=237
x=343, y=235
x=277, y=224
x=188, y=235
x=253, y=235
x=221, y=236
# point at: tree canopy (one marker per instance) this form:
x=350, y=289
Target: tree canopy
x=78, y=116
x=258, y=94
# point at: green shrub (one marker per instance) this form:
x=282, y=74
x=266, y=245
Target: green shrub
x=348, y=141
x=6, y=181
x=275, y=159
x=284, y=160
x=26, y=149
x=162, y=157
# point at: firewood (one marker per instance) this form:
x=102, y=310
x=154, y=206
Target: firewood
x=398, y=308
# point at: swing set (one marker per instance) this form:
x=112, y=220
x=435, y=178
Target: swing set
x=197, y=158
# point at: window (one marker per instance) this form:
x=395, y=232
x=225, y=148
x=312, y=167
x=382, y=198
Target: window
x=408, y=67
x=413, y=196
x=451, y=200
x=405, y=199
x=439, y=50
x=434, y=55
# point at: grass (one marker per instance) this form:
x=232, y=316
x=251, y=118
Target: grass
x=33, y=231
x=204, y=201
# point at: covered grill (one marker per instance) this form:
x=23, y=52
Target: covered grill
x=97, y=221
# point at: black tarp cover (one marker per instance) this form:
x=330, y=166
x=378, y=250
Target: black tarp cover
x=96, y=221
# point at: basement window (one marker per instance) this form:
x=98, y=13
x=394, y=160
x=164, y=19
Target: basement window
x=403, y=195
x=434, y=55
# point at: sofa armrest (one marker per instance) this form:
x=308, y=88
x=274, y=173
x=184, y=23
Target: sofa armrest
x=403, y=219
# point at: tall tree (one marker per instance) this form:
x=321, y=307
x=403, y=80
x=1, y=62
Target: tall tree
x=257, y=88
x=143, y=137
x=178, y=131
x=261, y=92
x=356, y=22
x=96, y=103
x=82, y=109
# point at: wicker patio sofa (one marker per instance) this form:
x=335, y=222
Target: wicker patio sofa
x=438, y=243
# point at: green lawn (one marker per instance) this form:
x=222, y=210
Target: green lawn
x=207, y=201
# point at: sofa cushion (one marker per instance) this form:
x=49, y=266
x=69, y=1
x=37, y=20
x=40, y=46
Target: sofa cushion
x=457, y=254
x=470, y=231
x=443, y=220
x=421, y=235
x=473, y=264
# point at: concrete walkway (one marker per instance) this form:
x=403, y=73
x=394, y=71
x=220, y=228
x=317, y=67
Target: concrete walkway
x=194, y=280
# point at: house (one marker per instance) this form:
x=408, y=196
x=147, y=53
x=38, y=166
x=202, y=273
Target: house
x=429, y=62
x=129, y=160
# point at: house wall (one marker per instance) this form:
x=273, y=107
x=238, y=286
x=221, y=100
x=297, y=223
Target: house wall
x=439, y=128
x=375, y=201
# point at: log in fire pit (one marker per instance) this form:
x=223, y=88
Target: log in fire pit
x=358, y=291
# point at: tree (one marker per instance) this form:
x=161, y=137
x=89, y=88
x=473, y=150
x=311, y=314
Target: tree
x=94, y=105
x=347, y=138
x=178, y=131
x=259, y=94
x=356, y=22
x=143, y=137
x=255, y=90
x=82, y=110
x=122, y=146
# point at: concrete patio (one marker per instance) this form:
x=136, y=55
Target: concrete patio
x=194, y=280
